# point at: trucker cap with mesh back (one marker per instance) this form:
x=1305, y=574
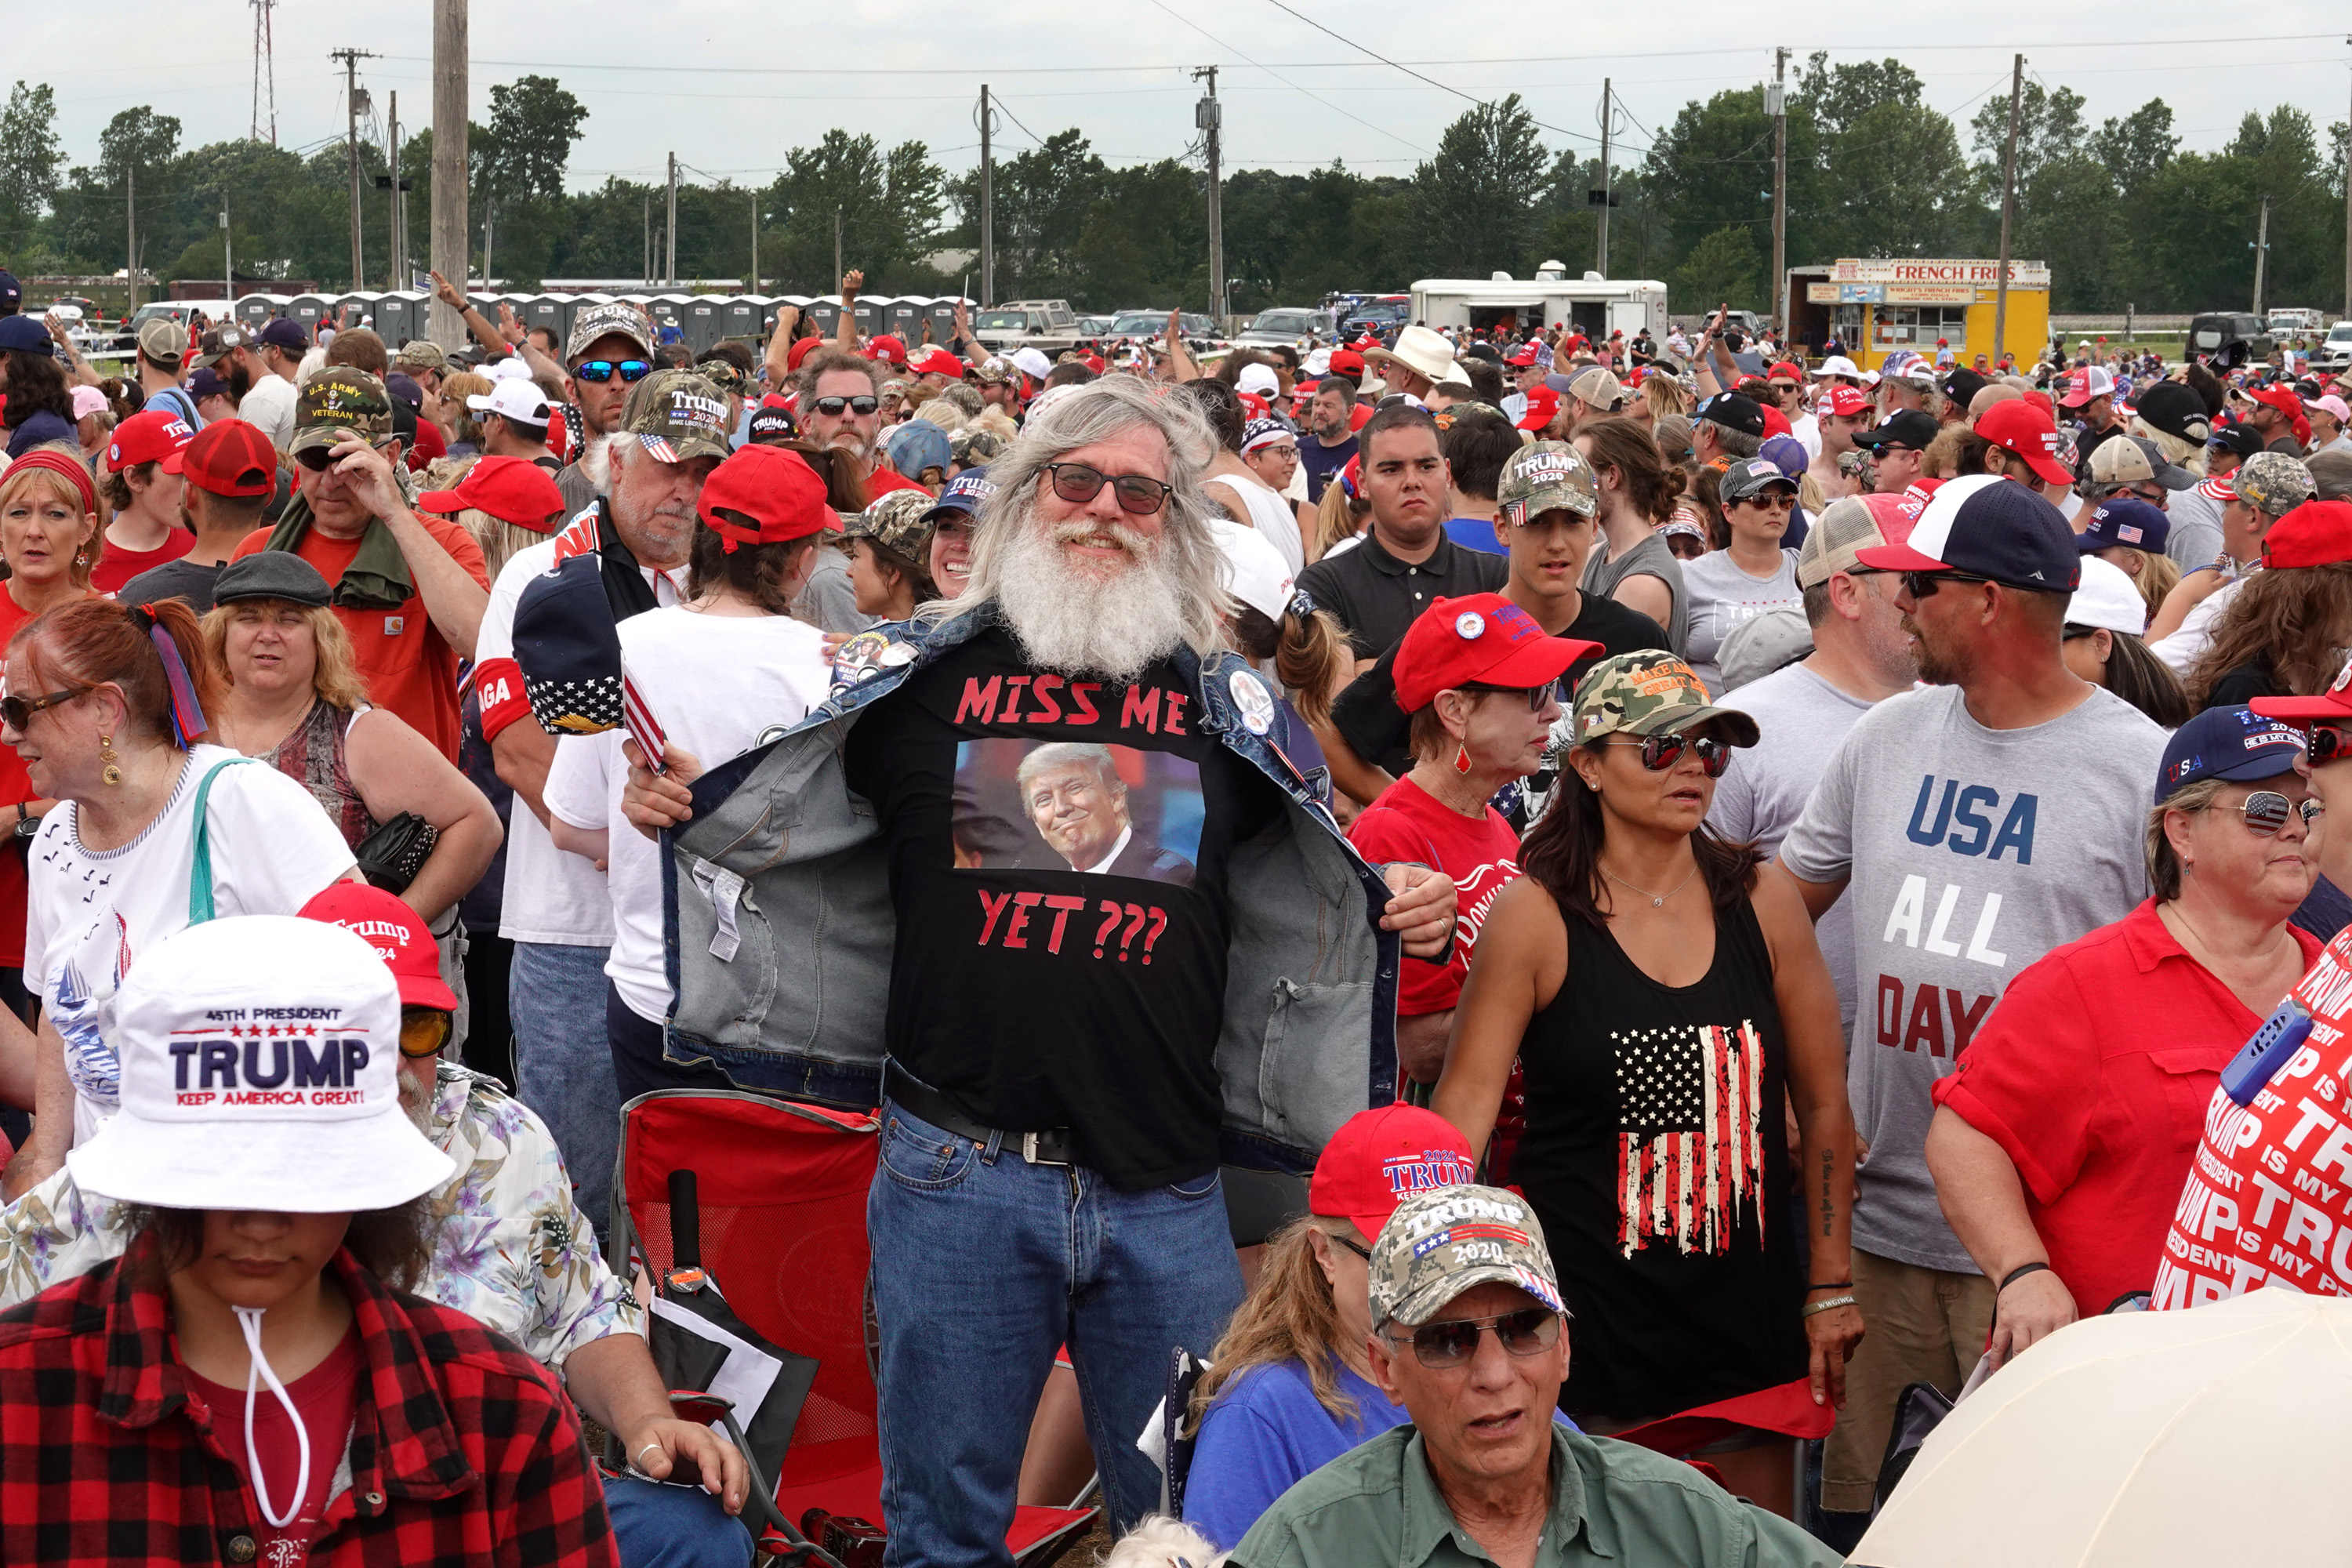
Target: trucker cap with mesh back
x=1845, y=529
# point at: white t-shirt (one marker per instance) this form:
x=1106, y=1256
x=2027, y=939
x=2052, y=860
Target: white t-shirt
x=1722, y=596
x=552, y=898
x=269, y=408
x=1806, y=428
x=1269, y=514
x=88, y=914
x=2181, y=650
x=716, y=685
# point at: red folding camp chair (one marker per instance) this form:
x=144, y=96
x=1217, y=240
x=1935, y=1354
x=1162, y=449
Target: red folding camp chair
x=782, y=1190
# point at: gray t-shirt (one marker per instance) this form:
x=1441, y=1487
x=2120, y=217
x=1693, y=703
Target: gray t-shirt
x=2194, y=539
x=578, y=490
x=1972, y=852
x=1722, y=595
x=1764, y=790
x=1650, y=557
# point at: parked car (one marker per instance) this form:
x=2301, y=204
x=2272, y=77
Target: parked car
x=2288, y=321
x=2235, y=337
x=1093, y=327
x=1382, y=316
x=183, y=312
x=2334, y=351
x=1142, y=326
x=1296, y=325
x=1049, y=326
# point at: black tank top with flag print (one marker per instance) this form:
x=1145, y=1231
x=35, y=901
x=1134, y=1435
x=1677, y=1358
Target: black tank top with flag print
x=1656, y=1156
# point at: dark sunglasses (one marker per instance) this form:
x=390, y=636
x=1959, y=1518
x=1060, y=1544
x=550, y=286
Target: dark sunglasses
x=2326, y=742
x=600, y=370
x=2266, y=812
x=17, y=712
x=422, y=1031
x=1530, y=1331
x=831, y=407
x=318, y=459
x=1535, y=697
x=1138, y=493
x=1771, y=500
x=1922, y=584
x=1659, y=752
x=1358, y=1248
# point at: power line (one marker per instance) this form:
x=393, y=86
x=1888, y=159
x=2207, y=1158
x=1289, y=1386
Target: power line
x=1287, y=82
x=998, y=99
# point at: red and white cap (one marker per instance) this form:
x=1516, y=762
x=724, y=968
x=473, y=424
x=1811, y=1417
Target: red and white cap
x=260, y=1058
x=2016, y=425
x=1381, y=1157
x=156, y=434
x=1842, y=401
x=396, y=932
x=2087, y=384
x=1483, y=638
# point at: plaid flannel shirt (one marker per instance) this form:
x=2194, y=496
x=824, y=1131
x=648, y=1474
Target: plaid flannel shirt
x=464, y=1450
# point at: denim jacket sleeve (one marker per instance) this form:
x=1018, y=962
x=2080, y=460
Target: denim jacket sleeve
x=780, y=928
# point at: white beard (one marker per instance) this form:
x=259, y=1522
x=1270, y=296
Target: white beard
x=1079, y=623
x=596, y=463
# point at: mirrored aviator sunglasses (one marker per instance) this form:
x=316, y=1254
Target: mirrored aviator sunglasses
x=602, y=369
x=2266, y=812
x=2327, y=743
x=1451, y=1343
x=1659, y=752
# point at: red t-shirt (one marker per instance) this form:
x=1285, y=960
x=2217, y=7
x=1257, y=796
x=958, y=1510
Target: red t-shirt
x=410, y=668
x=429, y=444
x=1406, y=822
x=882, y=481
x=15, y=786
x=117, y=565
x=328, y=1396
x=2093, y=1072
x=2266, y=1201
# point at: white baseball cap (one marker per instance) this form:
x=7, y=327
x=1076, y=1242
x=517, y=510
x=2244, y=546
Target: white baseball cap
x=2106, y=598
x=1254, y=571
x=513, y=367
x=1258, y=378
x=1837, y=365
x=512, y=398
x=1033, y=363
x=260, y=1060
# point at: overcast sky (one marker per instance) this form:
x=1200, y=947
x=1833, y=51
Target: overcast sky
x=726, y=84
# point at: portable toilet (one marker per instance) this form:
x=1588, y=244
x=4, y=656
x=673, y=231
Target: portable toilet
x=907, y=315
x=552, y=311
x=308, y=310
x=357, y=307
x=403, y=315
x=667, y=311
x=941, y=312
x=254, y=311
x=824, y=313
x=700, y=318
x=870, y=315
x=743, y=317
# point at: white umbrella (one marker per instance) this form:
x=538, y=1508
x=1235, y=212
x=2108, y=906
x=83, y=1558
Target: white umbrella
x=2217, y=1436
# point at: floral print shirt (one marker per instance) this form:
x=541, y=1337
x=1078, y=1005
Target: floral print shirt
x=511, y=1249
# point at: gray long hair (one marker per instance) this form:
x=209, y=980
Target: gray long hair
x=1097, y=412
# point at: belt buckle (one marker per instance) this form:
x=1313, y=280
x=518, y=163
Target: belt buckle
x=1029, y=1152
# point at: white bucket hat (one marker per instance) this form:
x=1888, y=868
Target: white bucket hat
x=1425, y=354
x=261, y=1070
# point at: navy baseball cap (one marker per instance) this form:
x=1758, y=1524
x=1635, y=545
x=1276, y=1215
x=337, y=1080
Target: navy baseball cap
x=285, y=334
x=1988, y=527
x=2125, y=521
x=2242, y=439
x=25, y=335
x=965, y=494
x=918, y=445
x=11, y=293
x=2227, y=744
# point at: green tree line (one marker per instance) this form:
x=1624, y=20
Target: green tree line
x=2119, y=210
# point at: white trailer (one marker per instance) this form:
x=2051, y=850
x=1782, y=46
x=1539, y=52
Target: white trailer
x=1594, y=305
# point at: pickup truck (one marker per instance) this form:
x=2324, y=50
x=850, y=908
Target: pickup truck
x=1049, y=326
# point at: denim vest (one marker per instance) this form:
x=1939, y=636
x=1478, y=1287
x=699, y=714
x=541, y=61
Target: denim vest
x=779, y=927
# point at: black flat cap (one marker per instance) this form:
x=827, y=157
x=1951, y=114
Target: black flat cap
x=272, y=574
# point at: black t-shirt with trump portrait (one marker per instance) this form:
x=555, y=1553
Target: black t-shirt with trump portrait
x=1057, y=851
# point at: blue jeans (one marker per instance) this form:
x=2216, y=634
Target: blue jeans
x=563, y=1062
x=983, y=1265
x=657, y=1526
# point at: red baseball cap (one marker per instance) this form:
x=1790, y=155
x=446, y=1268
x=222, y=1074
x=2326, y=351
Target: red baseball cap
x=2316, y=533
x=1525, y=356
x=1775, y=422
x=887, y=347
x=2087, y=384
x=157, y=434
x=1481, y=638
x=2281, y=398
x=801, y=350
x=765, y=495
x=1255, y=406
x=512, y=490
x=1379, y=1157
x=937, y=362
x=2040, y=399
x=397, y=934
x=1784, y=368
x=230, y=457
x=2016, y=425
x=2335, y=703
x=1543, y=407
x=1348, y=362
x=1842, y=401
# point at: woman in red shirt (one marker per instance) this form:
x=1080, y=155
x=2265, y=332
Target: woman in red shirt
x=2059, y=1139
x=1478, y=677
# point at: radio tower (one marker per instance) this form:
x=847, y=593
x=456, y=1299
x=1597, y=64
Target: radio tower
x=265, y=71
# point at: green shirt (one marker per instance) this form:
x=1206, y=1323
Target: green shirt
x=1611, y=1503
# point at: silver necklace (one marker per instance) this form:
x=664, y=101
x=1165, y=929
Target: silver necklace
x=1657, y=901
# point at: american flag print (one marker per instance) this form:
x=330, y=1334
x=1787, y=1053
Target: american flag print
x=1690, y=1134
x=643, y=728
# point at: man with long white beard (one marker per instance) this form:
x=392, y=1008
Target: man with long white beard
x=1071, y=1053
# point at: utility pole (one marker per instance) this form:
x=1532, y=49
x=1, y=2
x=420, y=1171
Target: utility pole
x=987, y=181
x=228, y=264
x=1776, y=104
x=1608, y=112
x=489, y=230
x=2008, y=203
x=131, y=232
x=448, y=247
x=1209, y=116
x=351, y=58
x=649, y=239
x=754, y=289
x=399, y=246
x=669, y=234
x=2348, y=220
x=837, y=272
x=2261, y=252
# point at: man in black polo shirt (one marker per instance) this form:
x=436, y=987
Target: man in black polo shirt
x=1406, y=563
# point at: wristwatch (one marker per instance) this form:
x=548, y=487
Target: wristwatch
x=27, y=825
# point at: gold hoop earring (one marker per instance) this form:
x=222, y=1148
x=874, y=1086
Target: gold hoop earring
x=112, y=771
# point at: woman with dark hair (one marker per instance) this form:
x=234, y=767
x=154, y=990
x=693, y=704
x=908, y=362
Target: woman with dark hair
x=2102, y=645
x=714, y=673
x=39, y=406
x=107, y=707
x=250, y=1372
x=1638, y=487
x=1664, y=995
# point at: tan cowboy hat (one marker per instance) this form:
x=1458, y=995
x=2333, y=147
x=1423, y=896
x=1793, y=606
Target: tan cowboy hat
x=1425, y=354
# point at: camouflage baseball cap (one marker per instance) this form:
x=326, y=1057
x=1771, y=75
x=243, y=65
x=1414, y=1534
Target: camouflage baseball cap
x=2274, y=482
x=972, y=447
x=1545, y=476
x=337, y=403
x=421, y=353
x=995, y=370
x=1649, y=693
x=605, y=321
x=899, y=522
x=1446, y=1240
x=163, y=340
x=678, y=415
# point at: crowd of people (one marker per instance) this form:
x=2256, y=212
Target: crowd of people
x=1691, y=853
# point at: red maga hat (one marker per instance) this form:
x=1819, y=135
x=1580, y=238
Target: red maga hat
x=765, y=495
x=1481, y=638
x=1379, y=1157
x=397, y=934
x=512, y=490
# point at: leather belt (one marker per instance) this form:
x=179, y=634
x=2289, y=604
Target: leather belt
x=1055, y=1146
